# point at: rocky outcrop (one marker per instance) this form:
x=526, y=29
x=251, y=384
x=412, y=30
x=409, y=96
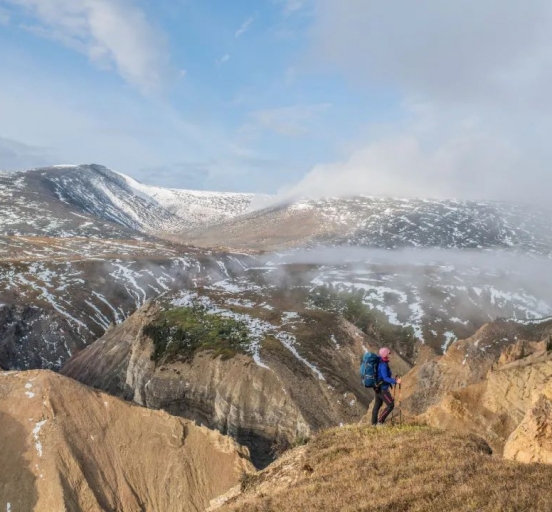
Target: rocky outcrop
x=265, y=405
x=67, y=447
x=531, y=441
x=104, y=364
x=468, y=362
x=495, y=407
x=494, y=385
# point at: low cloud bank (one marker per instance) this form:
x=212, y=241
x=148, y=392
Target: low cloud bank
x=510, y=270
x=472, y=79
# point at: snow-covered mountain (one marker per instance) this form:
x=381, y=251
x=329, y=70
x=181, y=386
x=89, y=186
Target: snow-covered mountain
x=91, y=200
x=54, y=201
x=78, y=250
x=386, y=223
x=31, y=205
x=105, y=194
x=197, y=207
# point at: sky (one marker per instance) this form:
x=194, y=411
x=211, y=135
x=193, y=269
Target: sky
x=288, y=97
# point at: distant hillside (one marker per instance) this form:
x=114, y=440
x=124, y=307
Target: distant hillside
x=59, y=295
x=91, y=200
x=386, y=223
x=197, y=207
x=32, y=204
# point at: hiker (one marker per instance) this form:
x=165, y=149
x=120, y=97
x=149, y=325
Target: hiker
x=383, y=394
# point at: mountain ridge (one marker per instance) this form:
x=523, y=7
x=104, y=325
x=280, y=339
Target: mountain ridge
x=69, y=447
x=244, y=222
x=96, y=191
x=68, y=230
x=387, y=223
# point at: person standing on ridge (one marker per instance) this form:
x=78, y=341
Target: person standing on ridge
x=383, y=394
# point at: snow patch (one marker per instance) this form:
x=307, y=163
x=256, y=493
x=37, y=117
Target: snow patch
x=450, y=338
x=36, y=431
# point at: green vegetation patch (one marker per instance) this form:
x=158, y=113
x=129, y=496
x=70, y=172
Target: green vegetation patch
x=178, y=334
x=370, y=321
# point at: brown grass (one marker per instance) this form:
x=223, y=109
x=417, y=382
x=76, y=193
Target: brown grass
x=360, y=468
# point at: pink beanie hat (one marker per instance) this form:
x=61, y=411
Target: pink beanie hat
x=384, y=353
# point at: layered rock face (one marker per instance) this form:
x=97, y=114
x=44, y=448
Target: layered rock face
x=497, y=406
x=496, y=384
x=467, y=362
x=67, y=447
x=531, y=441
x=283, y=396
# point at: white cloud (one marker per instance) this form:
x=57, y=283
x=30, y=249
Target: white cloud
x=455, y=51
x=244, y=27
x=16, y=156
x=110, y=32
x=436, y=154
x=291, y=121
x=223, y=60
x=4, y=17
x=291, y=6
x=474, y=78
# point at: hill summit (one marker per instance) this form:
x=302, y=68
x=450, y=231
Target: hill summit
x=415, y=469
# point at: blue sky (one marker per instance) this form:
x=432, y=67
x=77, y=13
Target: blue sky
x=311, y=97
x=234, y=102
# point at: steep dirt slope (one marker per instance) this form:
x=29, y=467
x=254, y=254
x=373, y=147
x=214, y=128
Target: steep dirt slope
x=468, y=361
x=411, y=469
x=495, y=407
x=67, y=447
x=299, y=375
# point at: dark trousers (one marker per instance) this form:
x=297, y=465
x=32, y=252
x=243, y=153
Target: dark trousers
x=382, y=396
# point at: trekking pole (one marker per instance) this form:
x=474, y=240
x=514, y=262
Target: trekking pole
x=394, y=393
x=393, y=416
x=400, y=407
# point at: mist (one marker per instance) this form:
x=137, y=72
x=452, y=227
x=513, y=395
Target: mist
x=505, y=276
x=472, y=79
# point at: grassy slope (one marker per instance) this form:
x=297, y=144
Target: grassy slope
x=359, y=468
x=179, y=333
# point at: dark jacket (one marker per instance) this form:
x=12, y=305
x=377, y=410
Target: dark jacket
x=384, y=375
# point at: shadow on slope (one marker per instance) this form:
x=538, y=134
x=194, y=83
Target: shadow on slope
x=17, y=484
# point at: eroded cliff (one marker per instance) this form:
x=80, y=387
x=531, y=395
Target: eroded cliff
x=297, y=378
x=68, y=447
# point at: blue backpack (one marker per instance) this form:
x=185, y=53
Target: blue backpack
x=369, y=370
